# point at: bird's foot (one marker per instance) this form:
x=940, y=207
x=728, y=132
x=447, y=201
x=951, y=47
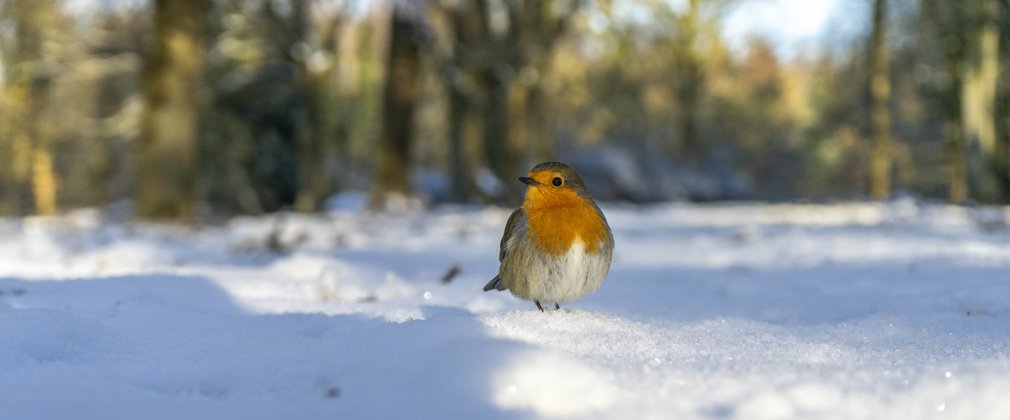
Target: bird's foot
x=541, y=308
x=557, y=306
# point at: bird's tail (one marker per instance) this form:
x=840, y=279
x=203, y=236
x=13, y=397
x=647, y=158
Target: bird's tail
x=495, y=284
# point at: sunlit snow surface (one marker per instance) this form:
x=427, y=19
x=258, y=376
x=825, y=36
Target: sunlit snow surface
x=748, y=311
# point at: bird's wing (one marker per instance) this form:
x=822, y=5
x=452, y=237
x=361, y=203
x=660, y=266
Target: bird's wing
x=510, y=228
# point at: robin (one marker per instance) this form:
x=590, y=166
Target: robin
x=557, y=246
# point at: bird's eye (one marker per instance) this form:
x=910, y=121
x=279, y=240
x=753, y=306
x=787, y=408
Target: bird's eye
x=556, y=181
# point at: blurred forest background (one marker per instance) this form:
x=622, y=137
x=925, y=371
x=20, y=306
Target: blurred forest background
x=193, y=109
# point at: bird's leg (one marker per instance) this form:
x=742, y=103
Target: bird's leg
x=541, y=308
x=557, y=306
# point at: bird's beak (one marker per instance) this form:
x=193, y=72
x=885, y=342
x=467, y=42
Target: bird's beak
x=528, y=181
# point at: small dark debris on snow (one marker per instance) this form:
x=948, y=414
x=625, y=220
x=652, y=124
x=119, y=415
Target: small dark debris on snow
x=17, y=291
x=332, y=392
x=451, y=274
x=983, y=312
x=368, y=299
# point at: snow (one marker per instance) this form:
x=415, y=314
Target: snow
x=729, y=311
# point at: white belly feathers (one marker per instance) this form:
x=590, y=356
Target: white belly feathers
x=565, y=277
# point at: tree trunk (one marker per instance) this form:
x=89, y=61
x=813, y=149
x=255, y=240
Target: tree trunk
x=957, y=190
x=539, y=136
x=311, y=151
x=978, y=97
x=314, y=137
x=880, y=116
x=1002, y=152
x=495, y=83
x=689, y=80
x=465, y=19
x=400, y=98
x=945, y=22
x=173, y=75
x=42, y=176
x=499, y=154
x=460, y=178
x=17, y=151
x=518, y=125
x=21, y=119
x=31, y=181
x=43, y=180
x=515, y=141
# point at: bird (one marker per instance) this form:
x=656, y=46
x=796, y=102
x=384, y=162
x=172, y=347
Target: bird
x=557, y=246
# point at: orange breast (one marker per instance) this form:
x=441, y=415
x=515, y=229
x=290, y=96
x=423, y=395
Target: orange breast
x=557, y=220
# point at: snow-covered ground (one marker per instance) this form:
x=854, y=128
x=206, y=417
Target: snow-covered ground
x=749, y=311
